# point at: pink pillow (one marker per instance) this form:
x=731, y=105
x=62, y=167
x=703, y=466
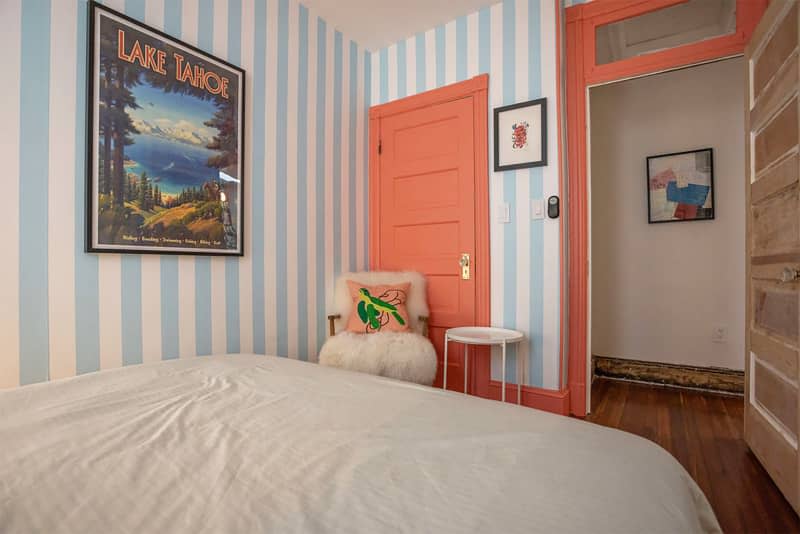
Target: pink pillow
x=378, y=308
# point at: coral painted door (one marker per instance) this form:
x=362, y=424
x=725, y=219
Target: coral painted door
x=427, y=212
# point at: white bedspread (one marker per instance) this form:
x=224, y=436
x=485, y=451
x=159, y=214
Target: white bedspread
x=262, y=444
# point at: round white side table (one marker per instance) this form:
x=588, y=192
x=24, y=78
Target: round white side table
x=483, y=335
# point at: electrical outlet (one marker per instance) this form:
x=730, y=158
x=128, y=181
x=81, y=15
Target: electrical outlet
x=719, y=334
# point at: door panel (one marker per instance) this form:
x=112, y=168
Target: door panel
x=776, y=49
x=776, y=395
x=427, y=211
x=777, y=456
x=776, y=178
x=778, y=136
x=773, y=246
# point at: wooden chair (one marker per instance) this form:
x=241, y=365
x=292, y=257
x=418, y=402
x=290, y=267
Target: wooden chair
x=408, y=356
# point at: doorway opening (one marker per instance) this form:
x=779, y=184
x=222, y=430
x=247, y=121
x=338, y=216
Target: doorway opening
x=667, y=226
x=602, y=45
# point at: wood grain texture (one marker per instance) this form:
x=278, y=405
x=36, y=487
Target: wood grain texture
x=773, y=239
x=777, y=137
x=705, y=434
x=777, y=311
x=776, y=395
x=780, y=45
x=780, y=355
x=776, y=178
x=776, y=93
x=775, y=228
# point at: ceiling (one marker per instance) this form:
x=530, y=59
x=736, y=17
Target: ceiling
x=375, y=24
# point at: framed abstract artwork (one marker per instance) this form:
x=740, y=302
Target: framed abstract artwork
x=680, y=186
x=165, y=143
x=520, y=135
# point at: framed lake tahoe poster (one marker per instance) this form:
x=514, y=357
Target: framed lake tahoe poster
x=165, y=171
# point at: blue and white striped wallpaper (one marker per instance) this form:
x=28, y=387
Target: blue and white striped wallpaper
x=65, y=312
x=515, y=42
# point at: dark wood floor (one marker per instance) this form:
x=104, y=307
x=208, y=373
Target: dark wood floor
x=704, y=432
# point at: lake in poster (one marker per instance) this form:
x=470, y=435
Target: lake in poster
x=166, y=143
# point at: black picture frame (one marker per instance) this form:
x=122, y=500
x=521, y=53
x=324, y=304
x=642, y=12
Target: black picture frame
x=542, y=161
x=93, y=200
x=709, y=214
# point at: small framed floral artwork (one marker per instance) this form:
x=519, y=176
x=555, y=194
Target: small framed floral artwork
x=520, y=135
x=680, y=186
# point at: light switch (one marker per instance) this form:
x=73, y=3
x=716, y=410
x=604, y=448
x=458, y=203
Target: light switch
x=504, y=213
x=537, y=208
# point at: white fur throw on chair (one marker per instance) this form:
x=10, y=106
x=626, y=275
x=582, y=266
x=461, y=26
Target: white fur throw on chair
x=405, y=356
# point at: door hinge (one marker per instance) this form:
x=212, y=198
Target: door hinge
x=380, y=147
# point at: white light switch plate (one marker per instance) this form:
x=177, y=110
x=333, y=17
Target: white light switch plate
x=537, y=208
x=504, y=213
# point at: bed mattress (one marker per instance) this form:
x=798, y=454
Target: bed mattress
x=250, y=443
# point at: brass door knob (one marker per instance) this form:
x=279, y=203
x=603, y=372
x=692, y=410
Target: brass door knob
x=789, y=274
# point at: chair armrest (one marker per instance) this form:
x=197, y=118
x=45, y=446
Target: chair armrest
x=424, y=320
x=331, y=325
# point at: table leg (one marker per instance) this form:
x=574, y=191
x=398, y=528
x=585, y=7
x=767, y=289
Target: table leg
x=466, y=363
x=519, y=375
x=444, y=372
x=503, y=391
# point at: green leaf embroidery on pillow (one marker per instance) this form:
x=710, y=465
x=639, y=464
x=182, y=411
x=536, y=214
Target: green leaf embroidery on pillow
x=371, y=309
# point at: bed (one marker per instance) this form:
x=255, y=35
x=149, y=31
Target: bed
x=250, y=443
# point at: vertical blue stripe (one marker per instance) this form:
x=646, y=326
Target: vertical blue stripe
x=135, y=9
x=131, y=274
x=322, y=36
x=384, y=81
x=301, y=219
x=257, y=180
x=281, y=291
x=232, y=305
x=401, y=69
x=440, y=56
x=202, y=266
x=461, y=48
x=205, y=25
x=202, y=317
x=351, y=217
x=170, y=310
x=172, y=16
x=485, y=42
x=337, y=153
x=232, y=344
x=170, y=277
x=537, y=227
x=421, y=57
x=131, y=268
x=33, y=172
x=509, y=187
x=365, y=200
x=87, y=289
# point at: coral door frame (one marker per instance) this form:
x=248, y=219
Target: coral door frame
x=582, y=73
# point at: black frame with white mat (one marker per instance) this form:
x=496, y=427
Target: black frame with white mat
x=514, y=148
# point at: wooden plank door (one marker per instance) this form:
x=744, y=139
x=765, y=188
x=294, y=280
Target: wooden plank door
x=426, y=211
x=773, y=246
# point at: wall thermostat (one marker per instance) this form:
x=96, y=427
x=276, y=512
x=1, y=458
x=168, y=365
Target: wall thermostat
x=552, y=207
